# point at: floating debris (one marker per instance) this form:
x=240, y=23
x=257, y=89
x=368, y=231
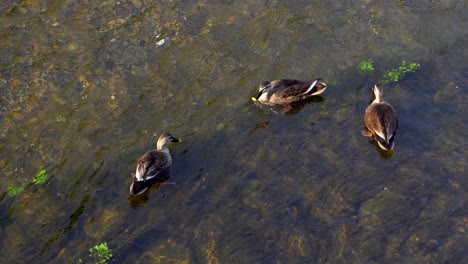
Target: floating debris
x=161, y=42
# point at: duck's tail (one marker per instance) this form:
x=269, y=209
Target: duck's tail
x=317, y=87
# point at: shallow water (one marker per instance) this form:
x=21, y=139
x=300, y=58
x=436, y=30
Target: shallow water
x=86, y=88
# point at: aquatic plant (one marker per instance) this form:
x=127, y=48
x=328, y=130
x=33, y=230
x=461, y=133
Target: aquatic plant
x=366, y=66
x=394, y=75
x=100, y=254
x=41, y=177
x=14, y=191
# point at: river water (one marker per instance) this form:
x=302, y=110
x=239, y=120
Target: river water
x=86, y=87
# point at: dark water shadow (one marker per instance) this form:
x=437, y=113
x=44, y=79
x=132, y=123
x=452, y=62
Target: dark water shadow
x=258, y=126
x=290, y=109
x=7, y=207
x=137, y=200
x=386, y=154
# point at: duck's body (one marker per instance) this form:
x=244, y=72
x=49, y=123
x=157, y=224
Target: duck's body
x=381, y=121
x=154, y=165
x=286, y=91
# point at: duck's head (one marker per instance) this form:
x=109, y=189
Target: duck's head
x=166, y=138
x=264, y=87
x=378, y=92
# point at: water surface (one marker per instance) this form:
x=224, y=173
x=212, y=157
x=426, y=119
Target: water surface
x=87, y=87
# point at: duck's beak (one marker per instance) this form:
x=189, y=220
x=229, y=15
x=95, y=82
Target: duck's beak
x=176, y=140
x=260, y=92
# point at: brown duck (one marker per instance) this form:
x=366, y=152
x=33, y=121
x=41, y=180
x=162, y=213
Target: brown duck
x=154, y=166
x=381, y=121
x=287, y=91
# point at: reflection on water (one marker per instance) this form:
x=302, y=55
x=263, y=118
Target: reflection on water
x=386, y=154
x=289, y=109
x=138, y=200
x=86, y=85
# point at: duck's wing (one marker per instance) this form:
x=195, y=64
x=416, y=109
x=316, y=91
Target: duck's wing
x=294, y=88
x=382, y=121
x=152, y=164
x=286, y=88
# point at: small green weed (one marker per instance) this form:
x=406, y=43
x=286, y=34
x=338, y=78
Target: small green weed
x=14, y=191
x=366, y=66
x=41, y=177
x=100, y=253
x=394, y=75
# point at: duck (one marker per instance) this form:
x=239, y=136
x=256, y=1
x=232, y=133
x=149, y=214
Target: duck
x=287, y=91
x=155, y=165
x=381, y=121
